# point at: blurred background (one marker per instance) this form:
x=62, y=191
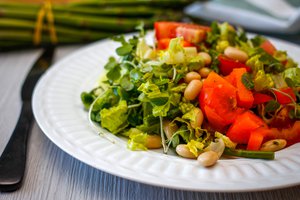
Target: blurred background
x=276, y=18
x=78, y=21
x=28, y=23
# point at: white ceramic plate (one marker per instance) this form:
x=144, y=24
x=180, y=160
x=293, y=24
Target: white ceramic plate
x=59, y=112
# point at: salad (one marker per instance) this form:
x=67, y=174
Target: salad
x=200, y=91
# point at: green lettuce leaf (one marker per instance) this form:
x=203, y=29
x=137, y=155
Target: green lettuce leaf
x=150, y=90
x=185, y=130
x=255, y=63
x=280, y=55
x=114, y=118
x=262, y=81
x=228, y=143
x=279, y=81
x=186, y=107
x=137, y=139
x=144, y=51
x=106, y=100
x=175, y=99
x=195, y=147
x=191, y=115
x=293, y=76
x=227, y=33
x=175, y=53
x=161, y=110
x=260, y=60
x=159, y=100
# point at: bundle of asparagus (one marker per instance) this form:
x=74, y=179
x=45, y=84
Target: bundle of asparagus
x=81, y=21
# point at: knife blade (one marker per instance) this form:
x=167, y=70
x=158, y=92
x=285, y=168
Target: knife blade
x=13, y=158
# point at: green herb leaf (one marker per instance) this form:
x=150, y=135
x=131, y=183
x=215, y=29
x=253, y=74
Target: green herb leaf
x=111, y=64
x=184, y=131
x=215, y=61
x=247, y=81
x=260, y=60
x=87, y=99
x=271, y=65
x=124, y=50
x=175, y=140
x=272, y=106
x=241, y=35
x=106, y=100
x=275, y=67
x=125, y=83
x=135, y=75
x=215, y=28
x=133, y=41
x=213, y=35
x=119, y=38
x=295, y=113
x=140, y=28
x=257, y=40
x=289, y=82
x=134, y=117
x=114, y=74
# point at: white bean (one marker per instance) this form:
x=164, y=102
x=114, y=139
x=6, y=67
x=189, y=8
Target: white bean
x=199, y=118
x=191, y=76
x=193, y=89
x=206, y=57
x=236, y=54
x=153, y=142
x=204, y=72
x=184, y=151
x=208, y=158
x=169, y=128
x=273, y=145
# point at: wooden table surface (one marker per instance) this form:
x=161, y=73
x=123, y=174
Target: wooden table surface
x=52, y=174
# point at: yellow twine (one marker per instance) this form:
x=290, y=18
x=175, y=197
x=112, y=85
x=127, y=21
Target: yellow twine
x=46, y=9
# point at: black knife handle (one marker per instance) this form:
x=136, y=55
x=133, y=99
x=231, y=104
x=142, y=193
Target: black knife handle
x=13, y=158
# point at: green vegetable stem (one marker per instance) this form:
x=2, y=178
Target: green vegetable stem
x=249, y=154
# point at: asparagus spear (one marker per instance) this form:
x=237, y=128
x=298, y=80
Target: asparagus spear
x=105, y=23
x=108, y=3
x=130, y=11
x=160, y=3
x=25, y=35
x=84, y=21
x=137, y=11
x=249, y=154
x=27, y=25
x=117, y=24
